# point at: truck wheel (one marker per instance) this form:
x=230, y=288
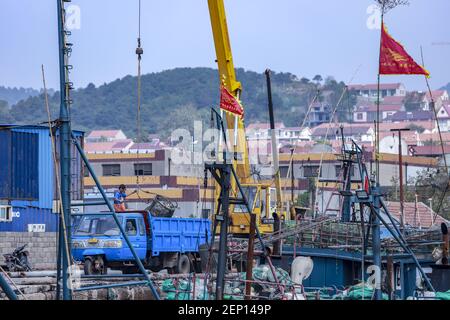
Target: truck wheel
x=94, y=265
x=183, y=265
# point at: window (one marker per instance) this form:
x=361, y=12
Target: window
x=311, y=171
x=141, y=227
x=97, y=226
x=143, y=169
x=5, y=213
x=130, y=227
x=111, y=170
x=359, y=116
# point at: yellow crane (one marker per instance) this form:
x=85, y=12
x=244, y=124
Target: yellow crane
x=258, y=195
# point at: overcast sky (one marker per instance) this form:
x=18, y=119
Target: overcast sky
x=304, y=37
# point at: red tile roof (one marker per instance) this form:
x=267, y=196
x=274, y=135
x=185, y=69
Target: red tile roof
x=430, y=150
x=103, y=133
x=394, y=100
x=422, y=218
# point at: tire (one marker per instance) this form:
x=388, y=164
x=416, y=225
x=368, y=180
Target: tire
x=183, y=264
x=94, y=266
x=131, y=270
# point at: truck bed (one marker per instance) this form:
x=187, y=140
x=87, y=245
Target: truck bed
x=178, y=234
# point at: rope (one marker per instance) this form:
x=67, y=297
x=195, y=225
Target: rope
x=55, y=161
x=329, y=126
x=302, y=127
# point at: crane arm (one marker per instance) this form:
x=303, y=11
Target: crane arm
x=227, y=74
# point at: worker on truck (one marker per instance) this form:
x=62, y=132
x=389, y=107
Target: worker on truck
x=120, y=197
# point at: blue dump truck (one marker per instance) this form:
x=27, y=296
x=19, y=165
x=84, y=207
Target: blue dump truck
x=160, y=243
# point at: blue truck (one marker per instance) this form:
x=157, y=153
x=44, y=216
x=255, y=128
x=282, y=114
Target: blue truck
x=160, y=243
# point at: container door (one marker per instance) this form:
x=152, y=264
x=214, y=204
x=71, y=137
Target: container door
x=137, y=240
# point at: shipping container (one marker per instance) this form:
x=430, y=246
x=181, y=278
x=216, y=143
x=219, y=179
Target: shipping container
x=28, y=179
x=19, y=177
x=5, y=160
x=30, y=219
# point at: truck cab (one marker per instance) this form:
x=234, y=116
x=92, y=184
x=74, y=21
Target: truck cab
x=171, y=243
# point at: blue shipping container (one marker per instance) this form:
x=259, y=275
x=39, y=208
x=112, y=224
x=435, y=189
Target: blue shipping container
x=5, y=160
x=19, y=155
x=45, y=166
x=24, y=216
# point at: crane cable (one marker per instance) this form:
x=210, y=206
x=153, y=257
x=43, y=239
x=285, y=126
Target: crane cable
x=139, y=53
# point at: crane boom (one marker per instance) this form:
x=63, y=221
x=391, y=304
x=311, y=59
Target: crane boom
x=227, y=76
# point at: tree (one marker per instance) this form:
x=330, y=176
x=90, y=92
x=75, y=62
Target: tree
x=5, y=116
x=415, y=127
x=318, y=79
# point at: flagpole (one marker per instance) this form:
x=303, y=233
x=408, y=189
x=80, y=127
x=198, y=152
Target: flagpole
x=377, y=124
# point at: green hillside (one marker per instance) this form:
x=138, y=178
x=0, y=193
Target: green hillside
x=173, y=99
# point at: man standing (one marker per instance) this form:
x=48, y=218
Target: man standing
x=120, y=197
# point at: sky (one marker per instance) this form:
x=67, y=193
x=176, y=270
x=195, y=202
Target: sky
x=303, y=37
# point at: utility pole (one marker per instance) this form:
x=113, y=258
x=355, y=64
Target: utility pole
x=65, y=143
x=400, y=175
x=276, y=164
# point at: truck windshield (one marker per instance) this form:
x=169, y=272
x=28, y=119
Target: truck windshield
x=95, y=225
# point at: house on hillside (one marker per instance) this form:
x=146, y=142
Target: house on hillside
x=371, y=90
x=106, y=136
x=410, y=116
x=440, y=98
x=357, y=132
x=120, y=146
x=368, y=113
x=261, y=131
x=443, y=116
x=320, y=113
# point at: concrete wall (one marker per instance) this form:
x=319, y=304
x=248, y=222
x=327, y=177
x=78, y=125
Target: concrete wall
x=41, y=246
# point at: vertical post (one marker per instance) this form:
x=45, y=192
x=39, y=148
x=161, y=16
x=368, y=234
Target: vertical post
x=224, y=222
x=390, y=277
x=400, y=176
x=376, y=241
x=276, y=165
x=445, y=243
x=377, y=124
x=65, y=141
x=292, y=176
x=249, y=271
x=170, y=164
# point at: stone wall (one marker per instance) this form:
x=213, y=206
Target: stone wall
x=41, y=246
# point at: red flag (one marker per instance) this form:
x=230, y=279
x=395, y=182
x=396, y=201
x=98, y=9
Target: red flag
x=394, y=59
x=366, y=185
x=229, y=103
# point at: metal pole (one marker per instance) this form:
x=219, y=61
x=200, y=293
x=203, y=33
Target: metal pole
x=377, y=124
x=376, y=242
x=65, y=141
x=276, y=165
x=224, y=221
x=292, y=176
x=251, y=241
x=7, y=289
x=400, y=176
